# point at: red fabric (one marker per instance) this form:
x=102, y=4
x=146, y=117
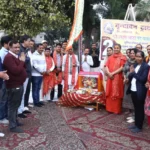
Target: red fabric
x=15, y=70
x=148, y=80
x=48, y=80
x=58, y=79
x=148, y=117
x=73, y=99
x=115, y=87
x=66, y=71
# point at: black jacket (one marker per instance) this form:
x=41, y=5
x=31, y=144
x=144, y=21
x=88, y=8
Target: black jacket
x=95, y=58
x=141, y=78
x=27, y=61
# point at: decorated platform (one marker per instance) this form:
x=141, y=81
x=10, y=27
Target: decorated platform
x=89, y=90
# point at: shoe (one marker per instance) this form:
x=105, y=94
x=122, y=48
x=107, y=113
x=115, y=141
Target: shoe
x=19, y=124
x=22, y=115
x=132, y=127
x=26, y=112
x=135, y=130
x=49, y=101
x=38, y=105
x=2, y=134
x=30, y=105
x=26, y=108
x=130, y=121
x=128, y=118
x=16, y=130
x=41, y=103
x=4, y=121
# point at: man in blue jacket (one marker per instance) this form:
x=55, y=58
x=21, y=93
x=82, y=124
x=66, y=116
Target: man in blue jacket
x=3, y=94
x=3, y=75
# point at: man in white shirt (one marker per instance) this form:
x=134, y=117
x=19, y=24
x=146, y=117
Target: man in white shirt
x=38, y=69
x=70, y=70
x=87, y=61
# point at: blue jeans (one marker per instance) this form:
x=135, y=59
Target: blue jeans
x=36, y=86
x=3, y=102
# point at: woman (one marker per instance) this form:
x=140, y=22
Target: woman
x=109, y=53
x=114, y=87
x=127, y=101
x=48, y=77
x=147, y=101
x=128, y=53
x=137, y=78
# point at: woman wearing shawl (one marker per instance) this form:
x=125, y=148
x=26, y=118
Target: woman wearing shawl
x=127, y=101
x=49, y=77
x=114, y=86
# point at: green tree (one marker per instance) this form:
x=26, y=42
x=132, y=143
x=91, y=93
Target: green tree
x=143, y=10
x=29, y=16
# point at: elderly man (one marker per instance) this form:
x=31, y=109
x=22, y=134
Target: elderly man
x=87, y=61
x=17, y=73
x=139, y=47
x=70, y=69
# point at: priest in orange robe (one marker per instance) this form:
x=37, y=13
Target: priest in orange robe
x=70, y=70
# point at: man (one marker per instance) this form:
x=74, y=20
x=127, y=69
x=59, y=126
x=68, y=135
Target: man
x=39, y=68
x=147, y=59
x=64, y=45
x=45, y=44
x=58, y=58
x=32, y=46
x=17, y=75
x=3, y=75
x=87, y=61
x=29, y=54
x=139, y=47
x=70, y=70
x=24, y=48
x=95, y=55
x=3, y=94
x=49, y=77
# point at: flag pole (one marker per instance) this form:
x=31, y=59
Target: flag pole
x=80, y=52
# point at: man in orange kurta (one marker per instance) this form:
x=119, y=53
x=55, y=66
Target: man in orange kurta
x=49, y=76
x=115, y=87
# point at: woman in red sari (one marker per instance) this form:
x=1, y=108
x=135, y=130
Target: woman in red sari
x=114, y=86
x=49, y=76
x=147, y=101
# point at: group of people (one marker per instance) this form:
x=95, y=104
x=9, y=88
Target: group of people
x=126, y=78
x=127, y=84
x=25, y=64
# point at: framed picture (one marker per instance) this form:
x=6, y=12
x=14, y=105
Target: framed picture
x=90, y=80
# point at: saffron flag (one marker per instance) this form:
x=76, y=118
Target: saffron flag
x=77, y=27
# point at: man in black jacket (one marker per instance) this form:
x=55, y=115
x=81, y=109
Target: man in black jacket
x=94, y=52
x=24, y=48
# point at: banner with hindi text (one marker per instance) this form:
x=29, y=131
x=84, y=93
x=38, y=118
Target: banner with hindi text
x=126, y=33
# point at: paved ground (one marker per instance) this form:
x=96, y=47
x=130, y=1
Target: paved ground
x=58, y=128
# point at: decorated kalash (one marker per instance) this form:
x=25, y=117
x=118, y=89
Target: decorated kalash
x=89, y=92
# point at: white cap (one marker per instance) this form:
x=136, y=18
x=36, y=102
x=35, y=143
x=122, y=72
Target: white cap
x=44, y=41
